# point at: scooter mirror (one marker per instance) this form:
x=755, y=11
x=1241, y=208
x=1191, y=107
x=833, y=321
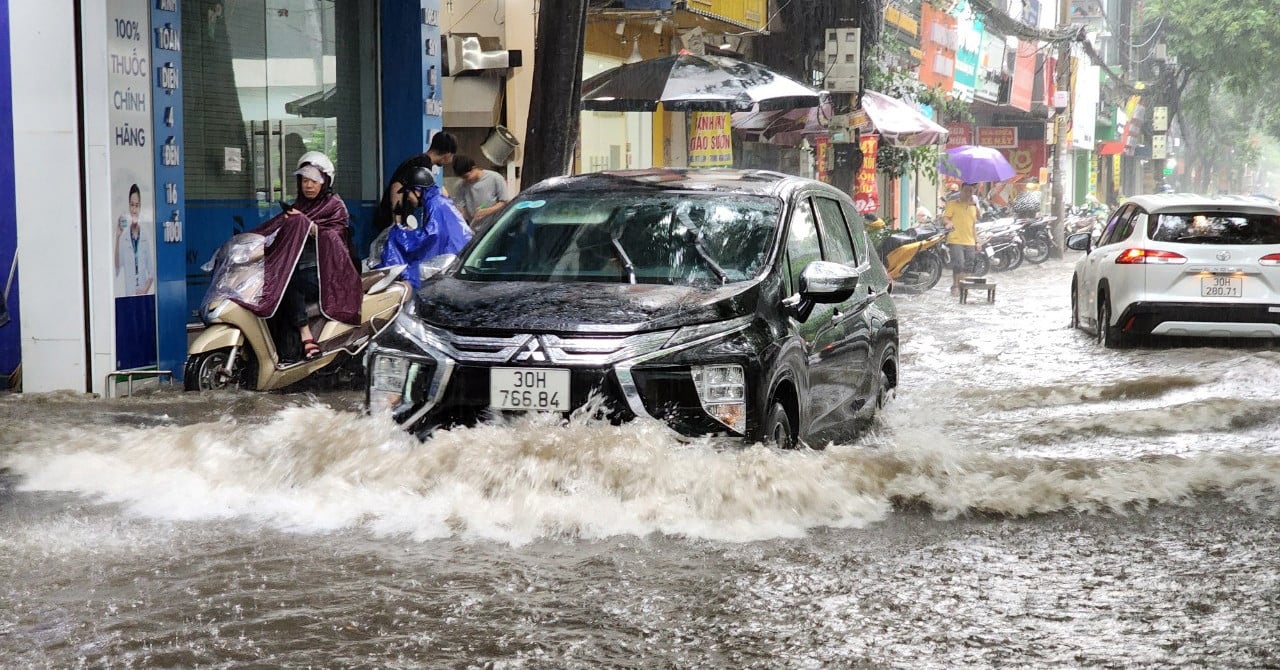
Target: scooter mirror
x=393, y=273
x=435, y=265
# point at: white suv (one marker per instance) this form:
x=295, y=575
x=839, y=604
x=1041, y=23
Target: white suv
x=1180, y=265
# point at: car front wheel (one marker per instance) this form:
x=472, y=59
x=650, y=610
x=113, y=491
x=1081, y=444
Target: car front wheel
x=777, y=428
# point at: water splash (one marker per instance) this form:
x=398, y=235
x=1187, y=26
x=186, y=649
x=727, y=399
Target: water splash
x=314, y=469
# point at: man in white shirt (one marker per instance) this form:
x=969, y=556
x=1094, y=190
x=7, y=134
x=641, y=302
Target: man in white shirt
x=482, y=192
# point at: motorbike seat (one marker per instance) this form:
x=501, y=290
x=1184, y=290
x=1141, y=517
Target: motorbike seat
x=895, y=241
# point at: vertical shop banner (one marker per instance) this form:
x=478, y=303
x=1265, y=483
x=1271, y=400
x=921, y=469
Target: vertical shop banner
x=971, y=31
x=133, y=194
x=938, y=41
x=10, y=341
x=866, y=194
x=710, y=139
x=167, y=155
x=822, y=156
x=1024, y=75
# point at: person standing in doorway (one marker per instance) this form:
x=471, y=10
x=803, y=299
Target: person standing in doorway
x=135, y=270
x=961, y=218
x=438, y=154
x=482, y=192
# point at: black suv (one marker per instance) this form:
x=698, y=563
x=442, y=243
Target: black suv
x=730, y=302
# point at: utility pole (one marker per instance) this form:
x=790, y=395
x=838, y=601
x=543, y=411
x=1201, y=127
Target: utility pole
x=1061, y=154
x=557, y=89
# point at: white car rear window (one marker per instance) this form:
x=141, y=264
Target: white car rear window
x=1216, y=228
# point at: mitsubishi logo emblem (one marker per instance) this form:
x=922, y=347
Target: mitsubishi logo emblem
x=1224, y=255
x=532, y=352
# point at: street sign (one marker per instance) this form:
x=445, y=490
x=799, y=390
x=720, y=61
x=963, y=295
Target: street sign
x=1160, y=119
x=1159, y=147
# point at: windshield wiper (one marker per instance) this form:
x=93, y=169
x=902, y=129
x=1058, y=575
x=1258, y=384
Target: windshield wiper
x=626, y=260
x=693, y=238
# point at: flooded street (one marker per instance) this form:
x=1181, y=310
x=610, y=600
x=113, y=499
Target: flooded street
x=1029, y=500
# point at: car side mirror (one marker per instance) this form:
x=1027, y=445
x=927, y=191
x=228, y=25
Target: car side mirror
x=435, y=265
x=827, y=282
x=1080, y=241
x=822, y=282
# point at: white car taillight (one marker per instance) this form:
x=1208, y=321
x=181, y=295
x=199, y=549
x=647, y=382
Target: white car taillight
x=1269, y=259
x=1149, y=256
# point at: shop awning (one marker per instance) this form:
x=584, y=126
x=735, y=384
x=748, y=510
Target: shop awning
x=804, y=120
x=898, y=123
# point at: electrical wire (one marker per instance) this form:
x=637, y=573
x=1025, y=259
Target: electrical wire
x=475, y=5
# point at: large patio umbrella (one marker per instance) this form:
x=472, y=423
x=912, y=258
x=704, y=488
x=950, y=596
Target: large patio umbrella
x=973, y=164
x=898, y=123
x=691, y=83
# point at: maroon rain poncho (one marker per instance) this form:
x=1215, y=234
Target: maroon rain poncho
x=340, y=296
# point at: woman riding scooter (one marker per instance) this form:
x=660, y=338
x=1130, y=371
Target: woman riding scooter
x=307, y=260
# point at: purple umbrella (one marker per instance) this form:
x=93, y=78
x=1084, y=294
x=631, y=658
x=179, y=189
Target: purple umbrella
x=973, y=164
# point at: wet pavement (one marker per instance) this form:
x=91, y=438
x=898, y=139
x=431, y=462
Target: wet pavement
x=1029, y=500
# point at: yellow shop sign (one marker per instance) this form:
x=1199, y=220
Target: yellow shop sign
x=750, y=14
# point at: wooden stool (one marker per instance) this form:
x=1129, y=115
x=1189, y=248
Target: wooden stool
x=978, y=284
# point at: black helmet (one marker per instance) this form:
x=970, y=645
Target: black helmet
x=417, y=177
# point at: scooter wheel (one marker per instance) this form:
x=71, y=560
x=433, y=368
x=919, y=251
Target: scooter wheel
x=1036, y=251
x=207, y=371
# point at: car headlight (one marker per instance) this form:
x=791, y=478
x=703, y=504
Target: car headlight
x=722, y=389
x=410, y=327
x=388, y=379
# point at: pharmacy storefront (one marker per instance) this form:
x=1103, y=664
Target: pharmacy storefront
x=153, y=130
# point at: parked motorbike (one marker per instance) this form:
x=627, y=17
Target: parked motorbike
x=237, y=348
x=915, y=258
x=1037, y=240
x=1000, y=243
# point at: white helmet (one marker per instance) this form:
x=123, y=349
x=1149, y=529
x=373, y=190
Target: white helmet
x=318, y=159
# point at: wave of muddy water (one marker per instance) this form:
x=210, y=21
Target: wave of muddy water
x=1028, y=500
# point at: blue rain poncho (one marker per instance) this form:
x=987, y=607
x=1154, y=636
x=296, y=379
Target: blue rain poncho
x=442, y=230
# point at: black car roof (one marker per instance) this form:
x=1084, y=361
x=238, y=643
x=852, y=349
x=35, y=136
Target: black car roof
x=710, y=180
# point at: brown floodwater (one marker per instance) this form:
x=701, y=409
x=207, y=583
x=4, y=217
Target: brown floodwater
x=1029, y=500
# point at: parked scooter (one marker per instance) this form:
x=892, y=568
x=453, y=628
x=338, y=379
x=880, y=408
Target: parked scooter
x=1037, y=240
x=915, y=258
x=1000, y=243
x=237, y=348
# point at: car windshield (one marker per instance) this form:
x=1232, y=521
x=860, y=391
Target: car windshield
x=645, y=238
x=1215, y=228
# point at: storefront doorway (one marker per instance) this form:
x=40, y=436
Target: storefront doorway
x=265, y=82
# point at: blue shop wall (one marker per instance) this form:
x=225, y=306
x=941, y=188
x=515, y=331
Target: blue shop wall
x=10, y=341
x=412, y=88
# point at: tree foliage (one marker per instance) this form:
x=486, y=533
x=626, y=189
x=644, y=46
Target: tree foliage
x=1222, y=90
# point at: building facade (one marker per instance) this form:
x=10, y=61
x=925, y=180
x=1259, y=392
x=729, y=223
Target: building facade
x=147, y=132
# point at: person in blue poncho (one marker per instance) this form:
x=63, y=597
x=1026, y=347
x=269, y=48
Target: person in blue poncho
x=426, y=224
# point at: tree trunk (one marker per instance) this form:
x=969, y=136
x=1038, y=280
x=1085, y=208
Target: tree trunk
x=557, y=87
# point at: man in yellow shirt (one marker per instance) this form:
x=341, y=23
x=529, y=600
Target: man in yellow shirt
x=961, y=218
